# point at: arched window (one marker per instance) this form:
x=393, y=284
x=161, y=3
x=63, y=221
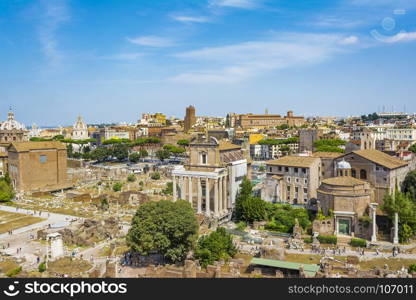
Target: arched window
x=353, y=173
x=365, y=145
x=363, y=174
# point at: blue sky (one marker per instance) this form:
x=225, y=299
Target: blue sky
x=111, y=60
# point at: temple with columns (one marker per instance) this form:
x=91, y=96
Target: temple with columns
x=211, y=178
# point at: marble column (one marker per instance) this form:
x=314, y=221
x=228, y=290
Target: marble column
x=190, y=190
x=396, y=228
x=224, y=197
x=183, y=192
x=175, y=196
x=374, y=235
x=199, y=205
x=216, y=197
x=220, y=193
x=336, y=226
x=207, y=200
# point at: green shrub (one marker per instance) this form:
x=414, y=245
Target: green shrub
x=327, y=239
x=155, y=176
x=117, y=186
x=14, y=272
x=42, y=267
x=412, y=268
x=241, y=225
x=355, y=242
x=308, y=240
x=131, y=178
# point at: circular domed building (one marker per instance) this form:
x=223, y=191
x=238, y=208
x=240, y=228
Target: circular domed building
x=346, y=199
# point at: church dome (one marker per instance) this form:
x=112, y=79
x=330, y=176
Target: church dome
x=11, y=123
x=342, y=165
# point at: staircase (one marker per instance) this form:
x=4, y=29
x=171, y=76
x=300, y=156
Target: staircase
x=343, y=240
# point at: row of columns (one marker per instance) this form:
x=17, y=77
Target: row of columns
x=220, y=193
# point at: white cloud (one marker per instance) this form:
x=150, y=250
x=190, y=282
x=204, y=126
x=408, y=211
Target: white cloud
x=152, y=41
x=399, y=37
x=189, y=19
x=351, y=40
x=246, y=4
x=124, y=56
x=334, y=22
x=235, y=63
x=53, y=14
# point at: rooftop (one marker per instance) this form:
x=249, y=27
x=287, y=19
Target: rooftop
x=28, y=146
x=294, y=161
x=309, y=269
x=381, y=158
x=327, y=154
x=343, y=181
x=224, y=145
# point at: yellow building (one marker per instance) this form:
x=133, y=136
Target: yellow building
x=254, y=138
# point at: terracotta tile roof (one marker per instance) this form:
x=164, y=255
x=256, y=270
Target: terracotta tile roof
x=294, y=161
x=28, y=146
x=381, y=158
x=228, y=146
x=344, y=181
x=327, y=154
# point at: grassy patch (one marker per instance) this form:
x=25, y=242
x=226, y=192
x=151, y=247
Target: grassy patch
x=8, y=265
x=66, y=265
x=11, y=221
x=393, y=263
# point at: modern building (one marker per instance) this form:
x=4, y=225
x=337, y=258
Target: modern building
x=292, y=179
x=211, y=179
x=38, y=166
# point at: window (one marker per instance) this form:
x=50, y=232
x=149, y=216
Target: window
x=204, y=158
x=296, y=170
x=288, y=188
x=280, y=168
x=363, y=174
x=353, y=173
x=42, y=159
x=305, y=191
x=304, y=170
x=286, y=169
x=296, y=189
x=270, y=169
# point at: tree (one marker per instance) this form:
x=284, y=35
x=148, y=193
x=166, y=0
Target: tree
x=143, y=153
x=169, y=189
x=134, y=157
x=120, y=151
x=409, y=185
x=413, y=148
x=215, y=246
x=183, y=142
x=100, y=154
x=42, y=267
x=249, y=208
x=162, y=154
x=164, y=227
x=403, y=205
x=6, y=189
x=283, y=218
